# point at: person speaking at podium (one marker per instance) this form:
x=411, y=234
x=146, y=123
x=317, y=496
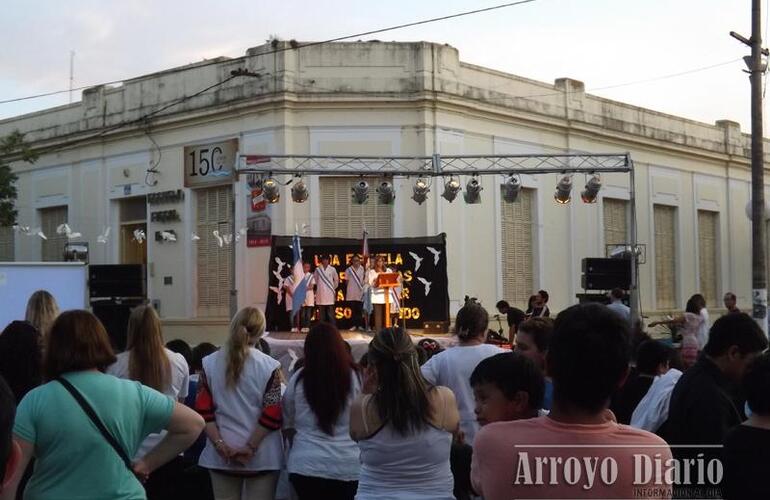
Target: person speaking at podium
x=378, y=293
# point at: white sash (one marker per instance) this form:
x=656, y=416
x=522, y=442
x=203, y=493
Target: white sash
x=325, y=279
x=356, y=279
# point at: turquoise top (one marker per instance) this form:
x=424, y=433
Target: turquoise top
x=73, y=461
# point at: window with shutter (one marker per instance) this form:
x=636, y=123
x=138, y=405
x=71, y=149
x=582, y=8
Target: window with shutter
x=708, y=255
x=6, y=244
x=342, y=218
x=615, y=221
x=52, y=249
x=214, y=213
x=665, y=256
x=517, y=235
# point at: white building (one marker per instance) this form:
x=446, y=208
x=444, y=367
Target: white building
x=372, y=98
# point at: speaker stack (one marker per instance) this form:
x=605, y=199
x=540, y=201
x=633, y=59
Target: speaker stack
x=606, y=274
x=114, y=290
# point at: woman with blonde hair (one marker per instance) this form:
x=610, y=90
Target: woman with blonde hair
x=42, y=310
x=404, y=429
x=239, y=397
x=146, y=360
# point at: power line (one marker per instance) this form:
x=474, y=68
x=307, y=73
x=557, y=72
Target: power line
x=297, y=46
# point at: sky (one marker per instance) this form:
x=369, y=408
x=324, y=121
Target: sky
x=604, y=43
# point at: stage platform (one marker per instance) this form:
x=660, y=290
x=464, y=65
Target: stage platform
x=287, y=347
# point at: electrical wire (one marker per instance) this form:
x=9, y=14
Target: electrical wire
x=295, y=46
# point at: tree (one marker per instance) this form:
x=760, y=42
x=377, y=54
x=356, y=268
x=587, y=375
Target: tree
x=12, y=146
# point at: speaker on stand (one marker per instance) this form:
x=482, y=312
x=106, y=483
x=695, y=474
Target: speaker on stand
x=114, y=291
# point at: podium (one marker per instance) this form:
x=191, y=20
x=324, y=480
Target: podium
x=387, y=281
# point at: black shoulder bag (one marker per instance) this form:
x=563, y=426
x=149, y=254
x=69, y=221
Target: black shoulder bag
x=88, y=410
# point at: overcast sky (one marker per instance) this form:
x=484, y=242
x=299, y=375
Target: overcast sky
x=601, y=42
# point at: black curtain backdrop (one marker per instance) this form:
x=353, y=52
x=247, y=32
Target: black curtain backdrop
x=426, y=294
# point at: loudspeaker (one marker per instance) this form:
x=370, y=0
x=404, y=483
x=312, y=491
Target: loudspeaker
x=605, y=281
x=606, y=266
x=117, y=280
x=114, y=316
x=606, y=274
x=435, y=327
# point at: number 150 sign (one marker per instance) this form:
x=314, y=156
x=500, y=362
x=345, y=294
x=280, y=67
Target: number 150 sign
x=208, y=164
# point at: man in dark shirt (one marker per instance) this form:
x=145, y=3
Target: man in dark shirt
x=705, y=403
x=730, y=301
x=514, y=317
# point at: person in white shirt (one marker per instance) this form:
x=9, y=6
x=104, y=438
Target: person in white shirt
x=355, y=275
x=378, y=294
x=239, y=397
x=146, y=360
x=703, y=328
x=306, y=311
x=326, y=281
x=617, y=306
x=453, y=368
x=323, y=460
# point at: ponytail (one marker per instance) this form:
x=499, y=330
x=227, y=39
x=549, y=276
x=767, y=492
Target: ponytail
x=147, y=360
x=472, y=321
x=245, y=330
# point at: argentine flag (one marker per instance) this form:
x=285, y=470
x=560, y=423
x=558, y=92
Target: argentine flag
x=300, y=283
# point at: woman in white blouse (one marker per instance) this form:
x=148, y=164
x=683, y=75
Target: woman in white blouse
x=146, y=360
x=239, y=396
x=323, y=459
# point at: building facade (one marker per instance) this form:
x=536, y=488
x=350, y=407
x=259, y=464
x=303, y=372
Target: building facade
x=379, y=99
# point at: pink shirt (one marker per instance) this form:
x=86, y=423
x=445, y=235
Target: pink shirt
x=543, y=458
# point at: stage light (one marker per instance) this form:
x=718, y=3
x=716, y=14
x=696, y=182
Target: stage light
x=385, y=193
x=473, y=191
x=420, y=191
x=299, y=191
x=451, y=188
x=563, y=192
x=360, y=192
x=511, y=189
x=591, y=191
x=271, y=190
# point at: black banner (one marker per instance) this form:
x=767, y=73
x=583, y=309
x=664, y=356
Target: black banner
x=422, y=262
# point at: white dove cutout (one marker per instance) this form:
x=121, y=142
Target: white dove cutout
x=220, y=240
x=66, y=230
x=167, y=236
x=426, y=283
x=227, y=238
x=281, y=264
x=38, y=232
x=102, y=238
x=21, y=229
x=278, y=294
x=195, y=237
x=417, y=261
x=139, y=236
x=436, y=254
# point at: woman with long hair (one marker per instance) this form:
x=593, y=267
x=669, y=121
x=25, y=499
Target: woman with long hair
x=146, y=360
x=239, y=396
x=454, y=366
x=323, y=460
x=56, y=423
x=42, y=310
x=689, y=324
x=21, y=358
x=404, y=429
x=378, y=293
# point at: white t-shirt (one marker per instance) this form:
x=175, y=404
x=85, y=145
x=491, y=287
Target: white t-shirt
x=452, y=368
x=180, y=384
x=315, y=453
x=703, y=329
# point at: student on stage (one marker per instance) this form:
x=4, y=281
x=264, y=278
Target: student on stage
x=356, y=276
x=326, y=280
x=306, y=311
x=378, y=294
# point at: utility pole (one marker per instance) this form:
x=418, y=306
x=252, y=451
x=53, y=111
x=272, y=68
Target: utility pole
x=756, y=69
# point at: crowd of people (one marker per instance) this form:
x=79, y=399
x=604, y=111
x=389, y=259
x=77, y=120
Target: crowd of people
x=579, y=408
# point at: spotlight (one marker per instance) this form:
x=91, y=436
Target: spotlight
x=386, y=193
x=511, y=189
x=299, y=191
x=563, y=192
x=451, y=188
x=591, y=191
x=271, y=190
x=473, y=191
x=360, y=192
x=420, y=191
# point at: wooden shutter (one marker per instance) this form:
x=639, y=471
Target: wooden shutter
x=517, y=234
x=214, y=213
x=665, y=256
x=6, y=244
x=615, y=221
x=708, y=255
x=341, y=218
x=52, y=249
